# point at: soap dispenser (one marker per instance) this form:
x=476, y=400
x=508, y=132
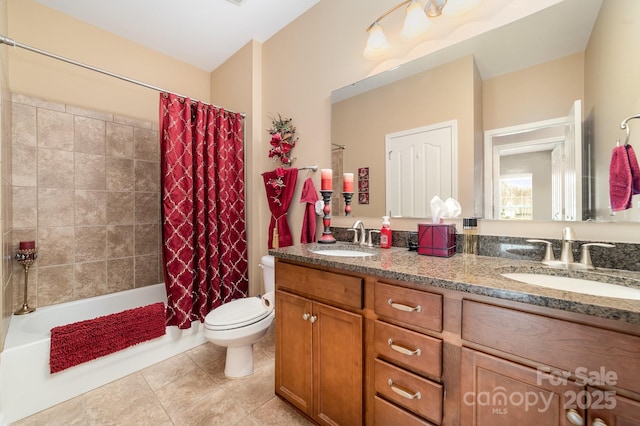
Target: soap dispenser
x=385, y=233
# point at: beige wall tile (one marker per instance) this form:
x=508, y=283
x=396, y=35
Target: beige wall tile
x=36, y=102
x=90, y=279
x=119, y=172
x=25, y=200
x=120, y=274
x=55, y=285
x=55, y=129
x=55, y=207
x=91, y=242
x=103, y=116
x=24, y=125
x=147, y=176
x=90, y=136
x=90, y=171
x=147, y=207
x=146, y=239
x=55, y=168
x=56, y=246
x=90, y=207
x=24, y=165
x=147, y=145
x=132, y=121
x=119, y=140
x=120, y=208
x=146, y=268
x=119, y=241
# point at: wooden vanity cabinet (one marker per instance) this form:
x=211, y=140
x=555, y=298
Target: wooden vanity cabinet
x=537, y=358
x=319, y=346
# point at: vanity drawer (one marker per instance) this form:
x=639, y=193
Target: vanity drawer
x=320, y=285
x=413, y=307
x=417, y=352
x=409, y=390
x=558, y=343
x=386, y=413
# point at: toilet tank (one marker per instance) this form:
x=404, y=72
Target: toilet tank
x=268, y=273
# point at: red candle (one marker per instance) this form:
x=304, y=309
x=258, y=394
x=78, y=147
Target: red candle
x=347, y=182
x=326, y=176
x=27, y=245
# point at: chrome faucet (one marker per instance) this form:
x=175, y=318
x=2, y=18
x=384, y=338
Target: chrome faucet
x=568, y=237
x=359, y=226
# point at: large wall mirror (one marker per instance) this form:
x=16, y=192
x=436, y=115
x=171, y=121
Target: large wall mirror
x=529, y=71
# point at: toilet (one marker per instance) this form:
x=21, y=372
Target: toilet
x=238, y=324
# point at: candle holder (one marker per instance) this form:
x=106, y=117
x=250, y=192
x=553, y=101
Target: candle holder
x=327, y=236
x=347, y=203
x=26, y=257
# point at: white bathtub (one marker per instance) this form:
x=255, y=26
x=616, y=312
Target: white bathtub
x=26, y=386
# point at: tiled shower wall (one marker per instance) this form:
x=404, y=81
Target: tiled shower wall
x=86, y=188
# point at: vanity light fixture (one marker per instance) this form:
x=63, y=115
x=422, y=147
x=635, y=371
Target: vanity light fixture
x=416, y=22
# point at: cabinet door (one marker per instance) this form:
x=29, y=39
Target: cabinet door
x=337, y=366
x=496, y=392
x=293, y=350
x=608, y=409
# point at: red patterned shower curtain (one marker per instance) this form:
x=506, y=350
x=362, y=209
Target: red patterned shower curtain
x=203, y=208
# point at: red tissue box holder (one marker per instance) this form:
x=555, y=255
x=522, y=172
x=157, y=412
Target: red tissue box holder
x=437, y=240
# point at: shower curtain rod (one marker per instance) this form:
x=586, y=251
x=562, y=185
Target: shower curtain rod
x=11, y=42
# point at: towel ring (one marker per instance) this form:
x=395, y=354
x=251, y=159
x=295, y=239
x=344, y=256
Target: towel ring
x=625, y=126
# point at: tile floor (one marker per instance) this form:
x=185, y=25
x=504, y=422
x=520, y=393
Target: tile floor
x=188, y=389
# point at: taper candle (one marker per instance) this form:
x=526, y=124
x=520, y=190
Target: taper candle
x=326, y=176
x=347, y=182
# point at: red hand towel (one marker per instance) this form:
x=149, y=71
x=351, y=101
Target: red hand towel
x=635, y=170
x=620, y=179
x=309, y=196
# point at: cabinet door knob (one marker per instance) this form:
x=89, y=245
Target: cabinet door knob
x=403, y=349
x=598, y=422
x=404, y=392
x=306, y=316
x=313, y=318
x=405, y=308
x=574, y=417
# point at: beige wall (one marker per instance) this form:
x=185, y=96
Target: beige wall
x=613, y=53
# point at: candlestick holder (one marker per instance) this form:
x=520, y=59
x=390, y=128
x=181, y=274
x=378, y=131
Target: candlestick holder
x=347, y=203
x=327, y=236
x=26, y=257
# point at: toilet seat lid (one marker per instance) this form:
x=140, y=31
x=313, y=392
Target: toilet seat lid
x=237, y=313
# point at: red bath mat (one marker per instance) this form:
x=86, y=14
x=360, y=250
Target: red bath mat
x=73, y=344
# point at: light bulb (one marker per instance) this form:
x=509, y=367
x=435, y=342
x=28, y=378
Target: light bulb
x=416, y=22
x=377, y=43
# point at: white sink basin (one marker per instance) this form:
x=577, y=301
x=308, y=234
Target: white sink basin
x=341, y=253
x=577, y=285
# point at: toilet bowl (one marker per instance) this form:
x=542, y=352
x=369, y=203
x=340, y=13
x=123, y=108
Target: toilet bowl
x=238, y=324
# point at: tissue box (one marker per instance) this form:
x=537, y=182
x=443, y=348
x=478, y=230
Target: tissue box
x=437, y=240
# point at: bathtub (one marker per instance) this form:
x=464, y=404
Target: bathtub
x=26, y=386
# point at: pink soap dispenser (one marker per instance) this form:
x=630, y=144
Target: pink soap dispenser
x=385, y=233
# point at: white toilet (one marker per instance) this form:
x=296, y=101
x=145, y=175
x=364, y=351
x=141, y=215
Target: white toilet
x=238, y=324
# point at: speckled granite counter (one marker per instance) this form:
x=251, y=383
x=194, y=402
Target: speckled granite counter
x=478, y=275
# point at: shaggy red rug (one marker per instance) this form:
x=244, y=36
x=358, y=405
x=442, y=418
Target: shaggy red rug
x=79, y=342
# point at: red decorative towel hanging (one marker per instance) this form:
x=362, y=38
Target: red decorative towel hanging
x=624, y=177
x=309, y=196
x=82, y=341
x=280, y=184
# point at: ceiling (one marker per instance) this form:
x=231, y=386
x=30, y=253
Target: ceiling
x=203, y=33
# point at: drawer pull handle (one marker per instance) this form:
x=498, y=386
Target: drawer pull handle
x=574, y=417
x=403, y=349
x=404, y=392
x=598, y=422
x=401, y=307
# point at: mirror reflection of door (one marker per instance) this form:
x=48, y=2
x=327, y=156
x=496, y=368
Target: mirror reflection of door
x=533, y=171
x=421, y=163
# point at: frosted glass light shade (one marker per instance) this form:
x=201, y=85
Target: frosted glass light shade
x=459, y=7
x=377, y=44
x=416, y=22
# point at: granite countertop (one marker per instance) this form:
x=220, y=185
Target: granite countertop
x=477, y=275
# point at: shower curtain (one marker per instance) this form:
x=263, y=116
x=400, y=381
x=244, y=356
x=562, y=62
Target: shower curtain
x=203, y=208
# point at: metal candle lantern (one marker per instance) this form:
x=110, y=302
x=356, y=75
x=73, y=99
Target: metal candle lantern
x=26, y=255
